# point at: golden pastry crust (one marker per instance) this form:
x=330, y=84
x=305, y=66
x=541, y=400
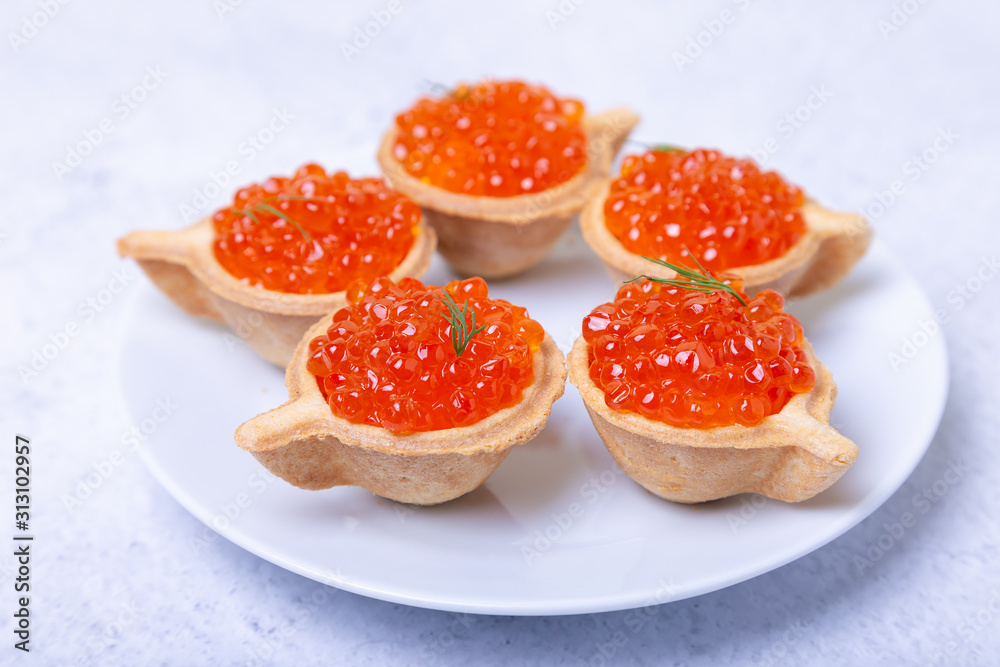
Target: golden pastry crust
x=832, y=245
x=496, y=237
x=305, y=444
x=790, y=456
x=183, y=265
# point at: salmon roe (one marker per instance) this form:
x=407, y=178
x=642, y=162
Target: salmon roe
x=725, y=210
x=388, y=358
x=494, y=139
x=315, y=232
x=696, y=359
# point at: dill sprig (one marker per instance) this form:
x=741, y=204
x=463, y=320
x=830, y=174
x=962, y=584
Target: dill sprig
x=281, y=214
x=659, y=148
x=463, y=92
x=263, y=207
x=439, y=89
x=460, y=92
x=691, y=279
x=461, y=332
x=322, y=200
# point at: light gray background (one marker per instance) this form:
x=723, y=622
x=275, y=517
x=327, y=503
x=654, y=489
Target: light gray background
x=115, y=581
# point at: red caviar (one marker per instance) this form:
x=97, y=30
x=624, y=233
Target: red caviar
x=696, y=359
x=315, y=232
x=388, y=358
x=493, y=138
x=726, y=210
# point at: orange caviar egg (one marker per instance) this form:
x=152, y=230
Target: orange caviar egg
x=389, y=358
x=315, y=232
x=696, y=359
x=725, y=210
x=493, y=138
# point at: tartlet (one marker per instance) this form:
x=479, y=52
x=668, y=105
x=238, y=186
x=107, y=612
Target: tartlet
x=830, y=246
x=184, y=266
x=309, y=446
x=496, y=237
x=791, y=454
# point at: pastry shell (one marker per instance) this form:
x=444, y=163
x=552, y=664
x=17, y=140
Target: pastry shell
x=496, y=237
x=182, y=264
x=790, y=456
x=305, y=444
x=832, y=244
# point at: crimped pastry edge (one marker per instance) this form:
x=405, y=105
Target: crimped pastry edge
x=790, y=456
x=303, y=442
x=832, y=245
x=183, y=265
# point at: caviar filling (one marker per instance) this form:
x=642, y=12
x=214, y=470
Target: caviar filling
x=725, y=210
x=389, y=358
x=314, y=233
x=493, y=138
x=696, y=359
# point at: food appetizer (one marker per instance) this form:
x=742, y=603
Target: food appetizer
x=416, y=393
x=700, y=391
x=500, y=168
x=283, y=253
x=724, y=212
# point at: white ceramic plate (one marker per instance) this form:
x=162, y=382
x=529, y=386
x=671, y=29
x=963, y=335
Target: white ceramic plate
x=557, y=529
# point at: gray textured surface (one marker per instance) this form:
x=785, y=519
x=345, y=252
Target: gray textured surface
x=117, y=581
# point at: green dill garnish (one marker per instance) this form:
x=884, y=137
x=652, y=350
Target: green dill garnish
x=461, y=332
x=688, y=278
